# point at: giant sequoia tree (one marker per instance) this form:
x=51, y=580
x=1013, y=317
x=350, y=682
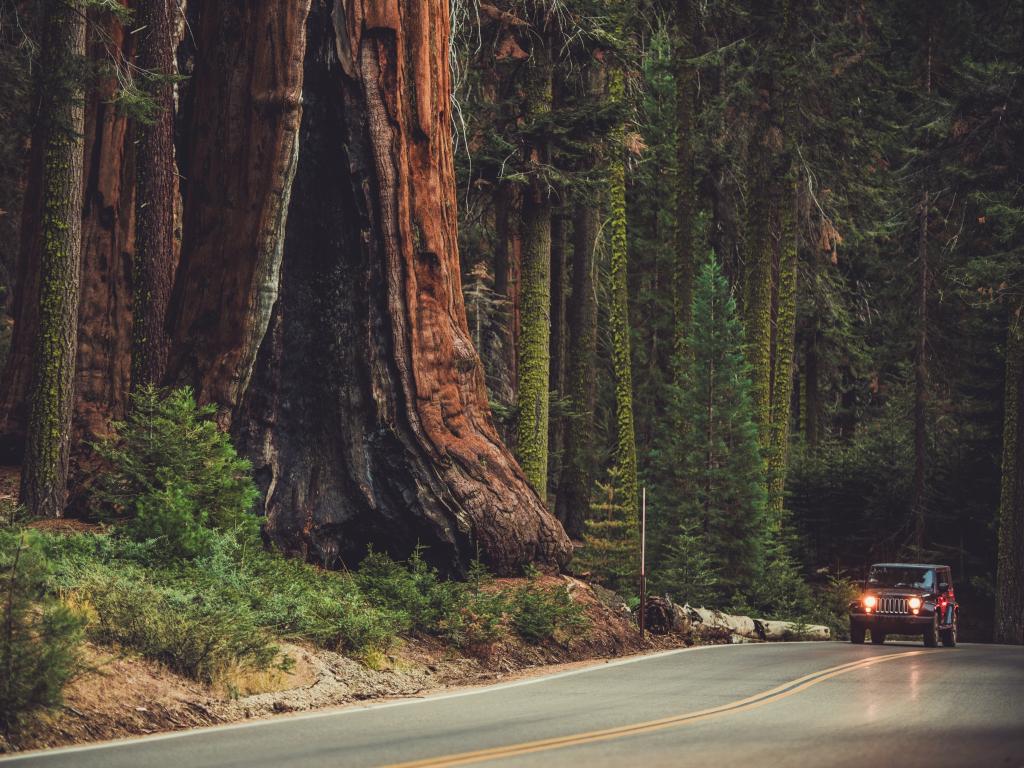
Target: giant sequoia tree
x=367, y=416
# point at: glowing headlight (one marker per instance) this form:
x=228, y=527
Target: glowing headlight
x=914, y=603
x=870, y=601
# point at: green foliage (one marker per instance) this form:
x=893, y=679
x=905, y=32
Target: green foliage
x=709, y=491
x=686, y=569
x=540, y=613
x=611, y=539
x=423, y=601
x=39, y=635
x=174, y=473
x=228, y=607
x=831, y=604
x=478, y=620
x=780, y=589
x=198, y=635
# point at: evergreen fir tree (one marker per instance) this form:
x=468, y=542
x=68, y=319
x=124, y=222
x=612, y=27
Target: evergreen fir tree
x=711, y=494
x=611, y=540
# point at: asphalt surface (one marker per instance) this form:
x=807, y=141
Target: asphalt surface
x=796, y=704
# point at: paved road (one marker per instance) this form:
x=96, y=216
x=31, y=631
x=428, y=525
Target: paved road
x=799, y=704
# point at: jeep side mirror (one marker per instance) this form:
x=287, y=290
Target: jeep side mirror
x=943, y=586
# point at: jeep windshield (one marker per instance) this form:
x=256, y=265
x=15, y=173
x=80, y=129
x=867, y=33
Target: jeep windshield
x=916, y=578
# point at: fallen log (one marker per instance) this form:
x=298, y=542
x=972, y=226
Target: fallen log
x=663, y=616
x=755, y=629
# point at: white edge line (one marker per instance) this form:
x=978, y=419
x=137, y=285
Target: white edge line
x=350, y=709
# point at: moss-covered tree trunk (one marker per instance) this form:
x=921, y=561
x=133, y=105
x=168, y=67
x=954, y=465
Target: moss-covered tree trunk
x=534, y=355
x=1009, y=619
x=61, y=120
x=782, y=365
x=367, y=417
x=757, y=304
x=618, y=314
x=155, y=190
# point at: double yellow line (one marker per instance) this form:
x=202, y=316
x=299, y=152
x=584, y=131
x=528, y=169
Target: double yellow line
x=742, y=705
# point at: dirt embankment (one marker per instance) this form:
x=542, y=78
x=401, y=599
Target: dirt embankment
x=124, y=695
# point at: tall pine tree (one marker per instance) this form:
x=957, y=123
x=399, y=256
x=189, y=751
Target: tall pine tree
x=711, y=495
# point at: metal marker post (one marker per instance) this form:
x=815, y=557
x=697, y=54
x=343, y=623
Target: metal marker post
x=643, y=563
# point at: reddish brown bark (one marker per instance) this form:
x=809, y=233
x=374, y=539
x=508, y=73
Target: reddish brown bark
x=368, y=416
x=103, y=371
x=242, y=148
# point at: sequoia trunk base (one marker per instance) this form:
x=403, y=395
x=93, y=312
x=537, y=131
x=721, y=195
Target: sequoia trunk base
x=367, y=416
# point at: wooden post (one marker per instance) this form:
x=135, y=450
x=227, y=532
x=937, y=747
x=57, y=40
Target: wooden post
x=643, y=563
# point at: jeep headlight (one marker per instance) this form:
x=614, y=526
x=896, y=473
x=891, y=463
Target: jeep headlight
x=870, y=601
x=914, y=603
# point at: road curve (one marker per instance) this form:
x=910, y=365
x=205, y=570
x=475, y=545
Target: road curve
x=795, y=704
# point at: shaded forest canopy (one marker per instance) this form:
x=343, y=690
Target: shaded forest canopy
x=467, y=275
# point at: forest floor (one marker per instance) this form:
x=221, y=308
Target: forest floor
x=123, y=695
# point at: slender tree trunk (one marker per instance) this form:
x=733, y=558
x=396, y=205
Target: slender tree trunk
x=577, y=468
x=534, y=349
x=921, y=380
x=622, y=359
x=367, y=419
x=812, y=398
x=18, y=367
x=1009, y=619
x=155, y=192
x=686, y=103
x=507, y=254
x=62, y=117
x=558, y=341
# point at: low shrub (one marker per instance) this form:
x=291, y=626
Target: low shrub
x=223, y=609
x=539, y=612
x=411, y=589
x=199, y=636
x=479, y=620
x=832, y=605
x=39, y=636
x=173, y=473
x=299, y=601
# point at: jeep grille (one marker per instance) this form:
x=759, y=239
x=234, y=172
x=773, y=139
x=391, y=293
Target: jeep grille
x=892, y=605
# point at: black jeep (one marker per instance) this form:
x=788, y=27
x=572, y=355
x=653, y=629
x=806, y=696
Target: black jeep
x=906, y=599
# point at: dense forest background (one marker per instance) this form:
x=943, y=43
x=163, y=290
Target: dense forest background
x=855, y=169
x=471, y=276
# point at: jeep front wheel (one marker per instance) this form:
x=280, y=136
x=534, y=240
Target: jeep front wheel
x=931, y=635
x=856, y=634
